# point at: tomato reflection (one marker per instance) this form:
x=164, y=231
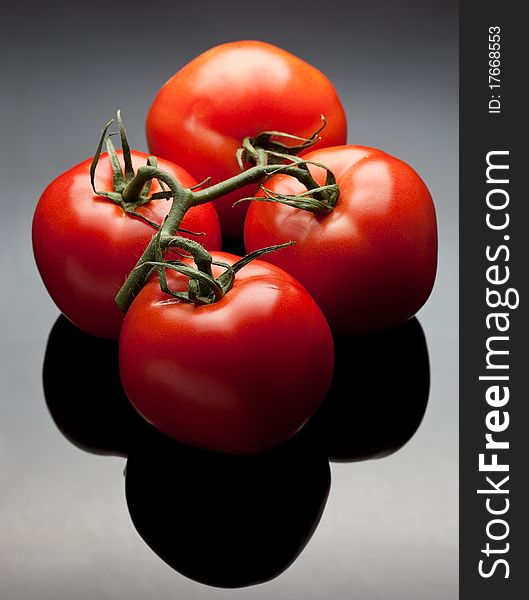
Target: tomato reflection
x=378, y=396
x=236, y=521
x=222, y=520
x=83, y=391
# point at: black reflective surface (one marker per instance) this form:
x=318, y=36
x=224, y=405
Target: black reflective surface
x=378, y=395
x=83, y=392
x=232, y=521
x=227, y=521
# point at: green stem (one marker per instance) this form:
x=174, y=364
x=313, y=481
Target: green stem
x=253, y=175
x=183, y=200
x=200, y=255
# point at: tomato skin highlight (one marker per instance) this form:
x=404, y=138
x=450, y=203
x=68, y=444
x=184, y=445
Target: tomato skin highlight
x=200, y=117
x=85, y=245
x=371, y=263
x=238, y=376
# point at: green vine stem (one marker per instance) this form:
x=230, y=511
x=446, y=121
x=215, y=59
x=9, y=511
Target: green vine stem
x=131, y=190
x=183, y=200
x=203, y=288
x=266, y=147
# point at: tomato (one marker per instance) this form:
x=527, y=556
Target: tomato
x=201, y=115
x=85, y=245
x=371, y=262
x=238, y=376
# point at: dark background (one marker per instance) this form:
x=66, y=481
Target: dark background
x=390, y=526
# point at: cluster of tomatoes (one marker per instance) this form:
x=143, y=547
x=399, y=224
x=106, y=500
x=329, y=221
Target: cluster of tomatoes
x=243, y=372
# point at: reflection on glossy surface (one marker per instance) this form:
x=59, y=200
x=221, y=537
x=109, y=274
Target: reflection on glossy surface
x=376, y=403
x=83, y=391
x=222, y=520
x=236, y=521
x=378, y=396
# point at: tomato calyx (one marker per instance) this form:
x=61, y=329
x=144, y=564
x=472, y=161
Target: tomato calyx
x=203, y=287
x=266, y=149
x=126, y=191
x=319, y=200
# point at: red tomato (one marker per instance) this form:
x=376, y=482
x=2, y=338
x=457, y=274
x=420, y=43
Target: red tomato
x=201, y=115
x=371, y=262
x=238, y=376
x=85, y=245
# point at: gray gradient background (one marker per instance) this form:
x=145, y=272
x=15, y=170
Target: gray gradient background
x=390, y=526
